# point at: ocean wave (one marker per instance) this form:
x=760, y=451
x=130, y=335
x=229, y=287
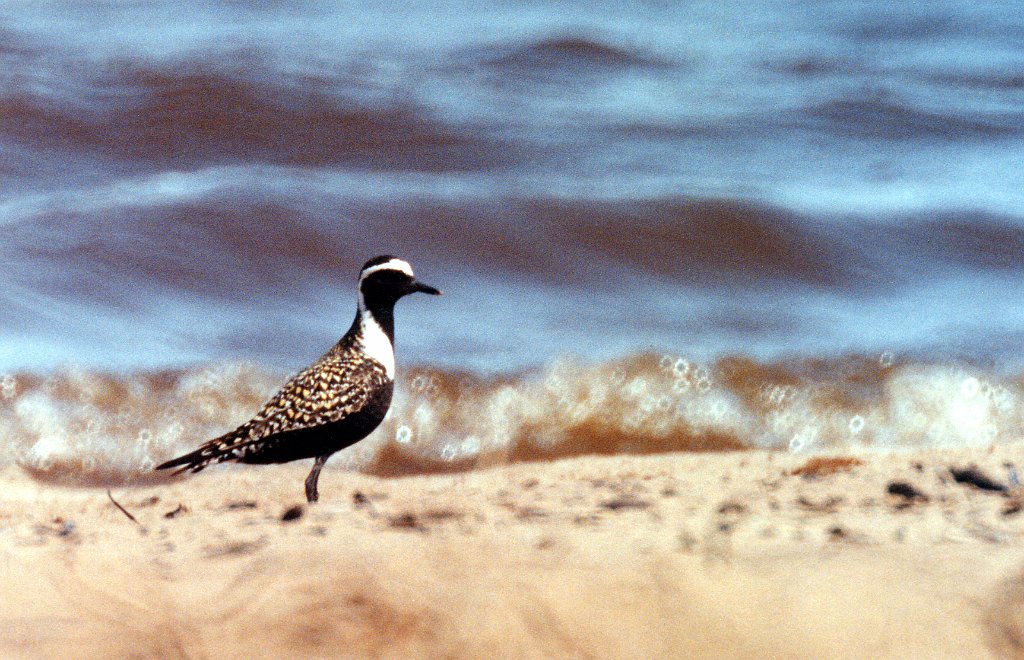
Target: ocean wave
x=884, y=116
x=992, y=80
x=975, y=240
x=14, y=45
x=214, y=249
x=810, y=66
x=235, y=240
x=75, y=426
x=697, y=241
x=907, y=26
x=569, y=54
x=200, y=114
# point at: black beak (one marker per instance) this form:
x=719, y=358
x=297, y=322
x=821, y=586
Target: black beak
x=424, y=288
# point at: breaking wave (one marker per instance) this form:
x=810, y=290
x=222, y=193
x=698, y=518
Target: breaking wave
x=93, y=428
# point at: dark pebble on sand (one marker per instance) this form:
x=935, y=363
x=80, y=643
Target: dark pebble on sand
x=292, y=513
x=905, y=490
x=529, y=513
x=406, y=521
x=359, y=499
x=620, y=503
x=972, y=476
x=443, y=514
x=732, y=507
x=1013, y=508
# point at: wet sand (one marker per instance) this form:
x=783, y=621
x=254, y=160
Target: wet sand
x=722, y=555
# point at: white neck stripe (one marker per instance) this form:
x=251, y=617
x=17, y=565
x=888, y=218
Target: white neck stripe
x=376, y=344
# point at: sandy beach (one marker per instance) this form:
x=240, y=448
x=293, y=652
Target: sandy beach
x=728, y=361
x=737, y=554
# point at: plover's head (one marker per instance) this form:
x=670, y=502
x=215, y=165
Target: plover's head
x=385, y=279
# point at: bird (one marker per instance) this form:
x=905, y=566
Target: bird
x=336, y=401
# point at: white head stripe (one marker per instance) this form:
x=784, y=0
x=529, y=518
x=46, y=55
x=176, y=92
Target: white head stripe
x=394, y=264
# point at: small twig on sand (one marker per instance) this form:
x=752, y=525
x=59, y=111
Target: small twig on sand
x=123, y=510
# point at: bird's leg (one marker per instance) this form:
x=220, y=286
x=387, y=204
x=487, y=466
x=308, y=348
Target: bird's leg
x=314, y=475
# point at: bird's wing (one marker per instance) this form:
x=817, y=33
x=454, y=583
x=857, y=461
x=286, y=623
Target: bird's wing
x=330, y=390
x=333, y=388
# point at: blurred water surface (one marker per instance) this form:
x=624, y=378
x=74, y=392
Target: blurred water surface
x=591, y=179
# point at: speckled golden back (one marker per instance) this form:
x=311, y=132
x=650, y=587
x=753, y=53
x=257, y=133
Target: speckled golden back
x=337, y=385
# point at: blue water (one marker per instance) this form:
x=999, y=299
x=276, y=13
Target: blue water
x=774, y=179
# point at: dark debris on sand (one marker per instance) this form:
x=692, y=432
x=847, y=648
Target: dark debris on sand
x=528, y=512
x=235, y=548
x=829, y=504
x=406, y=521
x=625, y=502
x=1012, y=508
x=972, y=476
x=732, y=507
x=823, y=466
x=907, y=491
x=293, y=513
x=443, y=514
x=174, y=513
x=58, y=527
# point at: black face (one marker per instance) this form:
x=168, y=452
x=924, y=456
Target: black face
x=384, y=287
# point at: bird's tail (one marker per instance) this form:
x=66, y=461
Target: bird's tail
x=214, y=451
x=191, y=462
